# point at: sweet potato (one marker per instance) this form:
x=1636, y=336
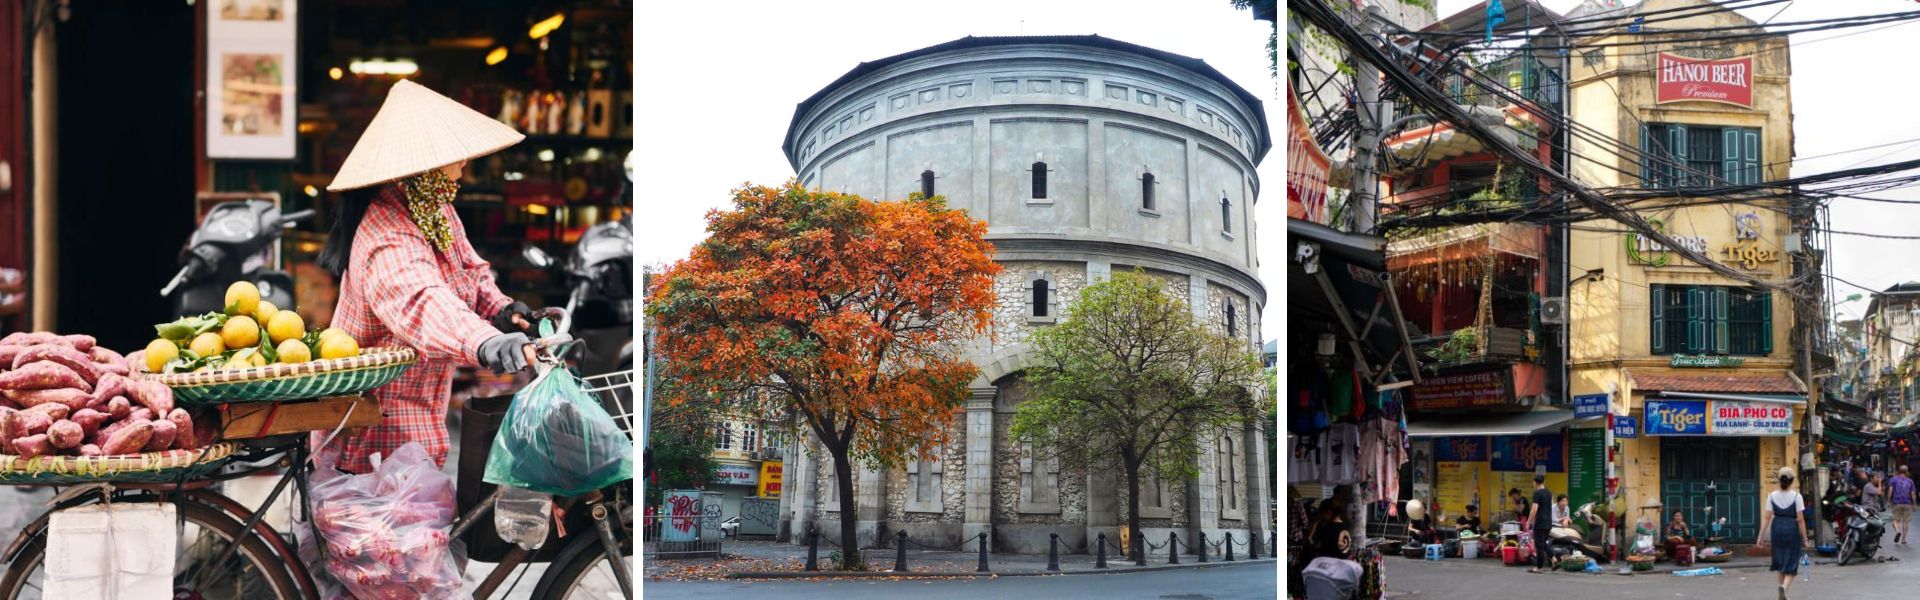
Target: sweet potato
x=43, y=375
x=104, y=355
x=82, y=343
x=31, y=423
x=90, y=450
x=52, y=410
x=119, y=408
x=128, y=440
x=28, y=339
x=163, y=434
x=116, y=368
x=143, y=414
x=8, y=352
x=8, y=419
x=137, y=362
x=33, y=445
x=66, y=434
x=110, y=385
x=89, y=419
x=68, y=397
x=185, y=437
x=72, y=359
x=152, y=394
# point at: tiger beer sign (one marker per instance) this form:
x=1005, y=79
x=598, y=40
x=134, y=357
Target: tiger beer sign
x=1308, y=168
x=1682, y=79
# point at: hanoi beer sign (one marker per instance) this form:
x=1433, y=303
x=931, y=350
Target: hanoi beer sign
x=1681, y=79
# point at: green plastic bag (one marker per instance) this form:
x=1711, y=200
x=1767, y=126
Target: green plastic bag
x=557, y=439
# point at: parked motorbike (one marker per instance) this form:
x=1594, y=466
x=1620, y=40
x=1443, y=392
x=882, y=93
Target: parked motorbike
x=1857, y=527
x=234, y=243
x=600, y=296
x=1564, y=541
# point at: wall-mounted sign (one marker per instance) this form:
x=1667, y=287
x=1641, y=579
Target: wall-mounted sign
x=1529, y=453
x=1749, y=255
x=1650, y=252
x=1750, y=418
x=1460, y=449
x=1746, y=226
x=1463, y=390
x=1676, y=417
x=1697, y=361
x=735, y=475
x=770, y=474
x=1587, y=406
x=1692, y=79
x=1308, y=167
x=1625, y=429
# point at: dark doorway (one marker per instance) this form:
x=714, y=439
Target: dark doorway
x=1706, y=478
x=124, y=159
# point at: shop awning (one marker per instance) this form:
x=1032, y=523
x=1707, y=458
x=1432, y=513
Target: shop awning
x=1467, y=241
x=1341, y=278
x=1744, y=382
x=1762, y=398
x=1520, y=423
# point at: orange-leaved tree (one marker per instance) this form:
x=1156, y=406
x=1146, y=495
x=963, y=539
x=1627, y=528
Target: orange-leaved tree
x=850, y=313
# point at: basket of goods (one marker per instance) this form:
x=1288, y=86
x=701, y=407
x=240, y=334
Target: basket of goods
x=1574, y=562
x=69, y=413
x=255, y=352
x=1715, y=554
x=1640, y=562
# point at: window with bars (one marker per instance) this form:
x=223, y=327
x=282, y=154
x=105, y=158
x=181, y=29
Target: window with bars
x=1716, y=320
x=1674, y=155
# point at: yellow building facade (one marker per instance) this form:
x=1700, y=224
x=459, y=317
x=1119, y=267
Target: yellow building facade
x=1696, y=366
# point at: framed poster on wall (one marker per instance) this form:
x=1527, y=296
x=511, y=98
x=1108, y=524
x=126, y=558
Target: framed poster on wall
x=251, y=79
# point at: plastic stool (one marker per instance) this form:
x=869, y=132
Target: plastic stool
x=1436, y=551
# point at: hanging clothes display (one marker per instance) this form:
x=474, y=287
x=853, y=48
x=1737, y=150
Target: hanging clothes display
x=1342, y=451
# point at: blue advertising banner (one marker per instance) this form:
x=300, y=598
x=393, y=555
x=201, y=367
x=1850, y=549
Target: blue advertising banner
x=1676, y=417
x=1460, y=449
x=1587, y=406
x=1524, y=452
x=1625, y=428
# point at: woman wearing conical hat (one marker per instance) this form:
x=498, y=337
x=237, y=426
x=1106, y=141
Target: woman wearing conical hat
x=408, y=275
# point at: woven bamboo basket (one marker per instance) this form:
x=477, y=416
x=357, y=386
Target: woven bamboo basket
x=279, y=382
x=162, y=466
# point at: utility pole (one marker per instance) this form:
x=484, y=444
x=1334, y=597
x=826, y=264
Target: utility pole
x=1365, y=181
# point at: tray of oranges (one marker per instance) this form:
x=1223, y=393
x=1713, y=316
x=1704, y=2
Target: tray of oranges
x=255, y=352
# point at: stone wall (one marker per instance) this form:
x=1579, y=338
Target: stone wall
x=953, y=484
x=1013, y=295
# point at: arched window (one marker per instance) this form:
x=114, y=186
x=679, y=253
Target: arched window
x=1039, y=180
x=1040, y=297
x=926, y=183
x=1232, y=327
x=1146, y=191
x=1226, y=215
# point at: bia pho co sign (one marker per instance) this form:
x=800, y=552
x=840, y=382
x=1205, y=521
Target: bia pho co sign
x=1681, y=79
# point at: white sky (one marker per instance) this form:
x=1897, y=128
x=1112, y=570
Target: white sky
x=717, y=83
x=1849, y=92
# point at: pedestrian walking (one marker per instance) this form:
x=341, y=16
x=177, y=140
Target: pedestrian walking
x=1541, y=519
x=1785, y=525
x=1900, y=495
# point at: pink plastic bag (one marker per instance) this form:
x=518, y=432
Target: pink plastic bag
x=386, y=532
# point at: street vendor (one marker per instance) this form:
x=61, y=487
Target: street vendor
x=409, y=276
x=1678, y=533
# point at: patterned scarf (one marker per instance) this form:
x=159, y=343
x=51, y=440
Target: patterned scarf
x=426, y=194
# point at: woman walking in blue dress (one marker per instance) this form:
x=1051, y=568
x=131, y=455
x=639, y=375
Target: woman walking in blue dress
x=1786, y=525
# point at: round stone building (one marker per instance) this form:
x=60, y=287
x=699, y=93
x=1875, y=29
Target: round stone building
x=1085, y=155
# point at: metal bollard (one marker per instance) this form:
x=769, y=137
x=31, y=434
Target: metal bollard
x=900, y=552
x=1100, y=560
x=1053, y=552
x=1201, y=549
x=1173, y=548
x=813, y=549
x=1229, y=546
x=1253, y=546
x=983, y=553
x=1140, y=542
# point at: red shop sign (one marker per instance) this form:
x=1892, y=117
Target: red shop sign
x=1681, y=79
x=1464, y=390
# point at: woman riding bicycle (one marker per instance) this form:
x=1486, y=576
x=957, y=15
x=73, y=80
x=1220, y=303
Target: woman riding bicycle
x=408, y=275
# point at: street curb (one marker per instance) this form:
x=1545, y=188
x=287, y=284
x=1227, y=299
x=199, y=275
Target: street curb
x=975, y=575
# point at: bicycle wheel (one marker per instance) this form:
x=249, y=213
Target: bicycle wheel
x=252, y=572
x=582, y=571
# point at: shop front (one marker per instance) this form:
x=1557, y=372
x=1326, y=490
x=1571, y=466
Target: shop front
x=1477, y=461
x=1710, y=456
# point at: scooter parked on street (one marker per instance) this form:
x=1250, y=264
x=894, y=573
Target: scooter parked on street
x=234, y=243
x=1857, y=527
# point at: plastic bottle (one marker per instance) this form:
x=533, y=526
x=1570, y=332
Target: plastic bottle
x=1804, y=563
x=522, y=517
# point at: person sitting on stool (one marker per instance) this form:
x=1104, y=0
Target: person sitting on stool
x=1678, y=534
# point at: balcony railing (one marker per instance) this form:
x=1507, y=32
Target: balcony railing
x=1491, y=344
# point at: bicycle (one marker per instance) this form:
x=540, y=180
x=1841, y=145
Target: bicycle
x=229, y=551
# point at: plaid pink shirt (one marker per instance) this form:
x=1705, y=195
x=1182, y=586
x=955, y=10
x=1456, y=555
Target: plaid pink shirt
x=398, y=291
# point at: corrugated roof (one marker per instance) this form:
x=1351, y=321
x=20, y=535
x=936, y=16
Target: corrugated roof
x=1757, y=382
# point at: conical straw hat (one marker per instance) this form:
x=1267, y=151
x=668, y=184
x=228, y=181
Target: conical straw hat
x=415, y=131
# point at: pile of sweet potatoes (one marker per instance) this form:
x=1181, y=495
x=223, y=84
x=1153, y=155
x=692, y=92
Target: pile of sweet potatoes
x=64, y=395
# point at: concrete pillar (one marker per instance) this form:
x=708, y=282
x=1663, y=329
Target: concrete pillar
x=1203, y=508
x=979, y=509
x=1197, y=297
x=1258, y=481
x=1103, y=502
x=799, y=490
x=870, y=502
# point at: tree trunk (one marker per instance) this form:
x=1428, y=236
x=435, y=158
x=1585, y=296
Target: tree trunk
x=1136, y=542
x=843, y=479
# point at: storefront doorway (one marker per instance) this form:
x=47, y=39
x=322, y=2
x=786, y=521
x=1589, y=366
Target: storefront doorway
x=1721, y=474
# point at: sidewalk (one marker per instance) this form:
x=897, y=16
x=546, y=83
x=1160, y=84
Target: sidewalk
x=766, y=560
x=1739, y=561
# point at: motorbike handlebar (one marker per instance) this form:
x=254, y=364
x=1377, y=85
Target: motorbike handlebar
x=289, y=219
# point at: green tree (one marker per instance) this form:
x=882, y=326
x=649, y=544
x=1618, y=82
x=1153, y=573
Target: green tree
x=1131, y=379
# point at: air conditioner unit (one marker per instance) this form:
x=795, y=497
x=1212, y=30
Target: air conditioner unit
x=1553, y=310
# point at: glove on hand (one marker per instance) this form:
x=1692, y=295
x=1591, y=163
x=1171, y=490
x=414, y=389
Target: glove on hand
x=504, y=353
x=503, y=320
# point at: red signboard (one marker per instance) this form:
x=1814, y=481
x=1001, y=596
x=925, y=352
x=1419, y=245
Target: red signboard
x=1464, y=390
x=1308, y=168
x=1681, y=79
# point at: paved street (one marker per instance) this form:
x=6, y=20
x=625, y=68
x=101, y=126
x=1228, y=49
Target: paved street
x=1251, y=580
x=1407, y=578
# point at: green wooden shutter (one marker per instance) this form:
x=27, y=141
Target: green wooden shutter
x=1730, y=164
x=1649, y=177
x=1677, y=154
x=1766, y=322
x=1697, y=320
x=1658, y=306
x=1718, y=318
x=1750, y=159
